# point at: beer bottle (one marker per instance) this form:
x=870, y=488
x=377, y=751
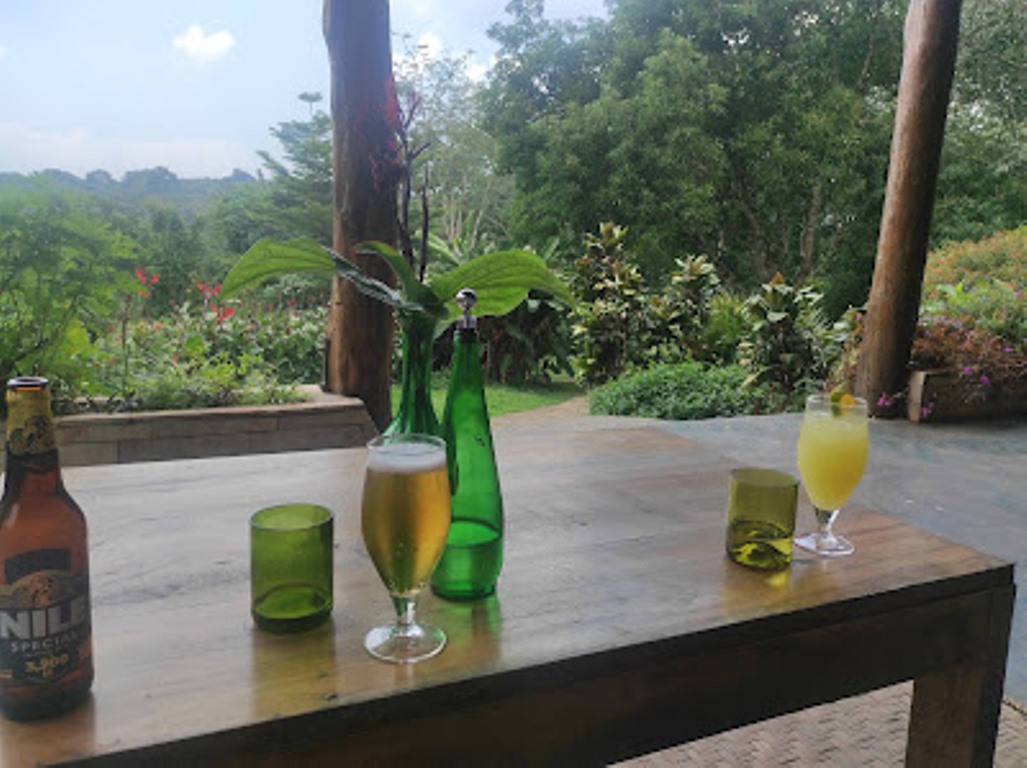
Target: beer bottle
x=46, y=663
x=473, y=556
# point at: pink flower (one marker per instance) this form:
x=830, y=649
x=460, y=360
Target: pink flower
x=985, y=381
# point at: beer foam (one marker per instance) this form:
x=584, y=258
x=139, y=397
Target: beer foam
x=406, y=458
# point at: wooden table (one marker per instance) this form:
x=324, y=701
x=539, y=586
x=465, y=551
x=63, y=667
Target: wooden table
x=619, y=628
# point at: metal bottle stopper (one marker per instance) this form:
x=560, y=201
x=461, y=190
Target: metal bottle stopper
x=466, y=298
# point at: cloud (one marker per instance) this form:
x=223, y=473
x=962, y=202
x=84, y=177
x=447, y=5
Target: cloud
x=76, y=150
x=203, y=47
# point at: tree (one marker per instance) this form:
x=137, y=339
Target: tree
x=365, y=118
x=60, y=268
x=467, y=196
x=298, y=197
x=932, y=32
x=754, y=133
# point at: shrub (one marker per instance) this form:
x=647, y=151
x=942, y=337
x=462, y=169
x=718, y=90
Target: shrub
x=788, y=344
x=979, y=332
x=725, y=328
x=1003, y=256
x=988, y=305
x=59, y=278
x=683, y=391
x=612, y=320
x=204, y=355
x=531, y=344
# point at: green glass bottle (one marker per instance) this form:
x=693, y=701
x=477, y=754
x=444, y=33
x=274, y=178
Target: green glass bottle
x=473, y=557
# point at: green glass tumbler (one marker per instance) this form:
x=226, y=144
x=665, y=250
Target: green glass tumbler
x=761, y=518
x=291, y=567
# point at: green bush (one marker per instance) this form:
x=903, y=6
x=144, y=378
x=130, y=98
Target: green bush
x=1003, y=256
x=683, y=391
x=988, y=304
x=724, y=329
x=788, y=344
x=612, y=322
x=206, y=356
x=530, y=344
x=61, y=270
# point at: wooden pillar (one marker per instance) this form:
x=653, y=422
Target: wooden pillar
x=360, y=330
x=928, y=63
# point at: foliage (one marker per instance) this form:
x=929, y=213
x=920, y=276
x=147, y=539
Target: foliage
x=530, y=344
x=1002, y=256
x=985, y=362
x=756, y=134
x=686, y=304
x=469, y=197
x=300, y=199
x=205, y=355
x=59, y=272
x=501, y=279
x=982, y=181
x=989, y=305
x=788, y=343
x=724, y=328
x=689, y=390
x=612, y=321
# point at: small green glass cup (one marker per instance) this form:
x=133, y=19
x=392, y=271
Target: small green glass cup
x=761, y=518
x=291, y=567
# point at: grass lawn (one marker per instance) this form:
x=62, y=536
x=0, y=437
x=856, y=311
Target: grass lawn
x=502, y=398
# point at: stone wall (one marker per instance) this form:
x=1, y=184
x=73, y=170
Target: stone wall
x=327, y=421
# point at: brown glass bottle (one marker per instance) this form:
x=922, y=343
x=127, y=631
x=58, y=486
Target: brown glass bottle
x=46, y=661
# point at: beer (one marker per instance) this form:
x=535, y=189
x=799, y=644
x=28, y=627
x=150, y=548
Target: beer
x=405, y=513
x=46, y=663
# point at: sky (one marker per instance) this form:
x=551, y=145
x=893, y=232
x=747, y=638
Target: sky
x=191, y=85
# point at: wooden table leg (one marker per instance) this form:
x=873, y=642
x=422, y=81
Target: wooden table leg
x=954, y=715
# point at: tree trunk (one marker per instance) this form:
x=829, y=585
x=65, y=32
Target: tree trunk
x=809, y=235
x=928, y=61
x=360, y=329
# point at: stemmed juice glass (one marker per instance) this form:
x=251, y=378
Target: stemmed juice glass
x=405, y=513
x=832, y=451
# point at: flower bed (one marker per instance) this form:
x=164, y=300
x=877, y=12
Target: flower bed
x=952, y=396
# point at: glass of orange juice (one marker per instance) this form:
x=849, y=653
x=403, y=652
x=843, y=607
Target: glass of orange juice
x=833, y=446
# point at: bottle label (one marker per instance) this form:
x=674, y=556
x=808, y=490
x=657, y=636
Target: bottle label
x=29, y=432
x=44, y=617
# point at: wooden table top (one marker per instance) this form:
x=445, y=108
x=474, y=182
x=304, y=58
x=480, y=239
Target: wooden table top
x=614, y=541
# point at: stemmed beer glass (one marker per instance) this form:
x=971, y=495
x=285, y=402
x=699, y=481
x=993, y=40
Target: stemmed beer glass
x=405, y=515
x=833, y=445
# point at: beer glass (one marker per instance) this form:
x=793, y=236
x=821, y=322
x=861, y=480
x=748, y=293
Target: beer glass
x=833, y=445
x=404, y=517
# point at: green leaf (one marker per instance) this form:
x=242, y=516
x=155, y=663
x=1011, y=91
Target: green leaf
x=502, y=279
x=267, y=259
x=375, y=288
x=413, y=291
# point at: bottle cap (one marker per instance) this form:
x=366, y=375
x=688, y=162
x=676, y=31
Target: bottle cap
x=466, y=299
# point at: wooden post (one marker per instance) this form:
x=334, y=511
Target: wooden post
x=928, y=62
x=360, y=330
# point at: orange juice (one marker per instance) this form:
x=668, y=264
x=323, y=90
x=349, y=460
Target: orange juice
x=832, y=455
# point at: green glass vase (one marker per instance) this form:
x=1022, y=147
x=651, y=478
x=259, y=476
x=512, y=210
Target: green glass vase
x=415, y=413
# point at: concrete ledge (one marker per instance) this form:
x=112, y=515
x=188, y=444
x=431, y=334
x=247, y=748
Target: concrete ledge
x=326, y=421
